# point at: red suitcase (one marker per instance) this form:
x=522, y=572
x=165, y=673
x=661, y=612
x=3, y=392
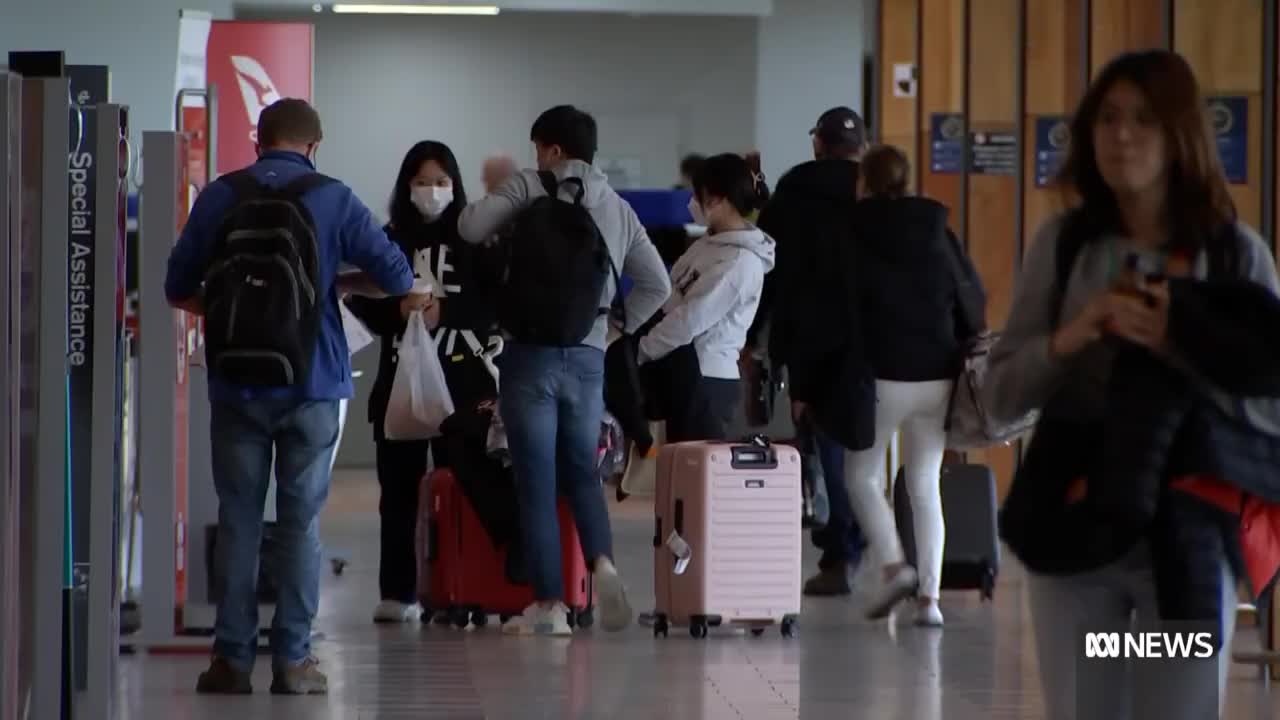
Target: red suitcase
x=461, y=573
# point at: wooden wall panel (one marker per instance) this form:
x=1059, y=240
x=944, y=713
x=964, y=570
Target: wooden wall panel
x=1222, y=39
x=897, y=124
x=993, y=234
x=942, y=81
x=1120, y=25
x=1054, y=79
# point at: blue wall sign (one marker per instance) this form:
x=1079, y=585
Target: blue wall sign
x=1229, y=116
x=946, y=143
x=1052, y=135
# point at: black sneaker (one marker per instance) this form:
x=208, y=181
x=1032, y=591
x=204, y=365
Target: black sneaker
x=831, y=582
x=223, y=679
x=304, y=678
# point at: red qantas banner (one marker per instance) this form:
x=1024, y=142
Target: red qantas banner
x=254, y=64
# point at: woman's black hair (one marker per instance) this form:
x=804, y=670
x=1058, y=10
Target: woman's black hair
x=404, y=215
x=730, y=177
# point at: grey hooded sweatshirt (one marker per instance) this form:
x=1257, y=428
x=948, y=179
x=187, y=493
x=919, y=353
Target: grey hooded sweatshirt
x=629, y=246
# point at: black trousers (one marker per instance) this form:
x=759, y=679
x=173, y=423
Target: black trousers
x=401, y=466
x=708, y=413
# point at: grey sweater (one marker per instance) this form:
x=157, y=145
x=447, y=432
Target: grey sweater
x=629, y=246
x=1022, y=376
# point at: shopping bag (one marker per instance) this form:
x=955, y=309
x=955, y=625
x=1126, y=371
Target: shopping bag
x=420, y=399
x=641, y=476
x=358, y=336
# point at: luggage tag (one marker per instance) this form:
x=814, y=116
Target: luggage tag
x=681, y=550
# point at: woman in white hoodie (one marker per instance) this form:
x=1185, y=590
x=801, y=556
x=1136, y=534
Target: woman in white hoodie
x=716, y=285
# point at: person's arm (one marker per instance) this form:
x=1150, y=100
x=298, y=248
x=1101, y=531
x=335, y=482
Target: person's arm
x=366, y=245
x=381, y=315
x=189, y=259
x=770, y=223
x=1022, y=372
x=971, y=296
x=483, y=218
x=651, y=284
x=706, y=303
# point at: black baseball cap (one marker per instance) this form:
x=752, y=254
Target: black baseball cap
x=841, y=126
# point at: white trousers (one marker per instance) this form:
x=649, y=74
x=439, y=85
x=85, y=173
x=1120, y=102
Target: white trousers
x=917, y=411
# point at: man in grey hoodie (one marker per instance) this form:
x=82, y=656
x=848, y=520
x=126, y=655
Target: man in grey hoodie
x=553, y=398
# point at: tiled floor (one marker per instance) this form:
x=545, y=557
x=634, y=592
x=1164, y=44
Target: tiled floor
x=840, y=666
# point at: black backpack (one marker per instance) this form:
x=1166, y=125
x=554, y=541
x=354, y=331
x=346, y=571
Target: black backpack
x=262, y=303
x=556, y=268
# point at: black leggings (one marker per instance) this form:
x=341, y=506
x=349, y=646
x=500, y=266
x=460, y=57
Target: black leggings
x=709, y=412
x=401, y=467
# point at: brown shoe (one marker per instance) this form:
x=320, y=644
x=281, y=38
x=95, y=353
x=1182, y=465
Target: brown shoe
x=223, y=679
x=831, y=582
x=304, y=678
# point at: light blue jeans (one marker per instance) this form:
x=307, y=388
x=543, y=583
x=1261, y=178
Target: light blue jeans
x=1063, y=608
x=552, y=401
x=302, y=436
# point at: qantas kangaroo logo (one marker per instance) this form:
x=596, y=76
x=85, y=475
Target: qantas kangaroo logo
x=256, y=87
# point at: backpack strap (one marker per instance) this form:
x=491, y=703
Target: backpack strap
x=552, y=185
x=243, y=183
x=304, y=184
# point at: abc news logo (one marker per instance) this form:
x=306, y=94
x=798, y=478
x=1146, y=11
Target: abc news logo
x=1149, y=645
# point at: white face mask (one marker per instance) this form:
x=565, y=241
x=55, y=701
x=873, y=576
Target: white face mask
x=431, y=201
x=695, y=209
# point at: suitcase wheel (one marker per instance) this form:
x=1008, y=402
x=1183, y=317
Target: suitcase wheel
x=426, y=616
x=504, y=618
x=338, y=565
x=789, y=627
x=460, y=618
x=757, y=632
x=698, y=627
x=988, y=588
x=479, y=618
x=660, y=626
x=584, y=619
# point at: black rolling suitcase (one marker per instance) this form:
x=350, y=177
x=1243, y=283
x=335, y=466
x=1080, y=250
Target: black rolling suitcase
x=971, y=557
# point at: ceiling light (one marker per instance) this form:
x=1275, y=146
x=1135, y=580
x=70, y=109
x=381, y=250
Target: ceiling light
x=416, y=9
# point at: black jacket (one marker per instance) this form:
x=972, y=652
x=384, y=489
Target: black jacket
x=808, y=216
x=468, y=314
x=911, y=274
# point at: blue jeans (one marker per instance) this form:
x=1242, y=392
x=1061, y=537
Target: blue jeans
x=841, y=540
x=244, y=435
x=551, y=402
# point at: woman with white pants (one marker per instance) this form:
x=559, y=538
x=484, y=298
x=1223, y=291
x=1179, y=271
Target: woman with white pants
x=919, y=301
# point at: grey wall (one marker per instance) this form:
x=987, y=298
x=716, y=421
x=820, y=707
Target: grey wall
x=138, y=39
x=810, y=59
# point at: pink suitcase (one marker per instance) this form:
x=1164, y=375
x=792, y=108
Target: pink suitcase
x=727, y=537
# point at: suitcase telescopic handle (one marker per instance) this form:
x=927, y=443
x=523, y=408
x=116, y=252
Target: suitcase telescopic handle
x=753, y=456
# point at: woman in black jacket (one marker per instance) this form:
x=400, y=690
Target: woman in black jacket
x=918, y=301
x=425, y=203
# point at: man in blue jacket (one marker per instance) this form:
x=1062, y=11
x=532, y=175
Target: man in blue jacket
x=295, y=421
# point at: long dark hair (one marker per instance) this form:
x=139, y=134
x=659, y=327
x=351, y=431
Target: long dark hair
x=404, y=216
x=1198, y=203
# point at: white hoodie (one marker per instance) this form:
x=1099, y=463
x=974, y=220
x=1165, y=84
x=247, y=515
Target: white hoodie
x=715, y=292
x=629, y=245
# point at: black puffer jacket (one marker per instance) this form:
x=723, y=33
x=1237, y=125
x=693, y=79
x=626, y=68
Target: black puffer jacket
x=807, y=217
x=907, y=261
x=468, y=314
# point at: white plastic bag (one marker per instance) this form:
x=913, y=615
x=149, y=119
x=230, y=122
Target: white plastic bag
x=420, y=399
x=358, y=336
x=641, y=476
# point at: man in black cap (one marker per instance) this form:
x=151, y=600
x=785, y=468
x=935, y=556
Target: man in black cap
x=807, y=213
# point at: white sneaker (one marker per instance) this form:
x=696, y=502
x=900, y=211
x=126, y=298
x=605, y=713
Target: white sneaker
x=390, y=611
x=539, y=620
x=891, y=592
x=929, y=616
x=611, y=597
